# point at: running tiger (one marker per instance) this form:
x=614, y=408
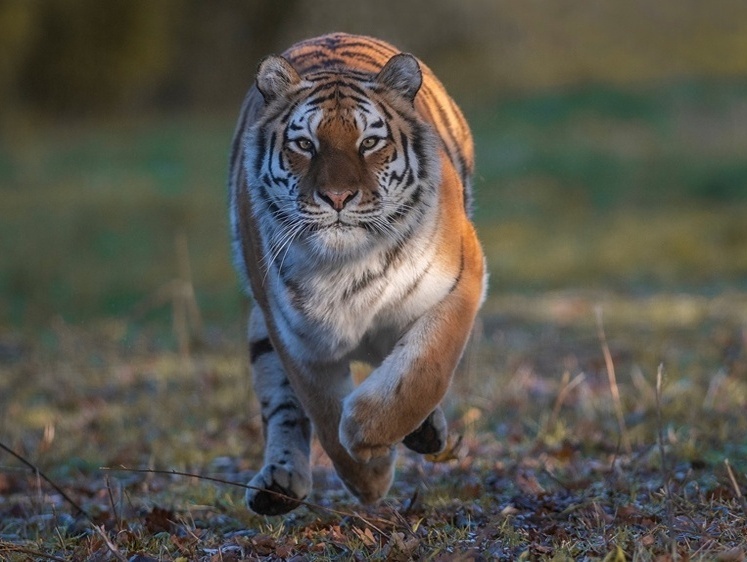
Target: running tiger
x=349, y=203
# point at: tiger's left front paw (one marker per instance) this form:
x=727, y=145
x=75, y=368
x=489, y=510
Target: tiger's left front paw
x=359, y=435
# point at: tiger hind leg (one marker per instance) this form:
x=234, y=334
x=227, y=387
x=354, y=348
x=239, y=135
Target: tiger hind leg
x=285, y=477
x=431, y=436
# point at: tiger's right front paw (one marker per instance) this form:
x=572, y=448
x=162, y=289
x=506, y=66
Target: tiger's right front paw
x=277, y=488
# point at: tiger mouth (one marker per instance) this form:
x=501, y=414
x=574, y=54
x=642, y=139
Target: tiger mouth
x=337, y=225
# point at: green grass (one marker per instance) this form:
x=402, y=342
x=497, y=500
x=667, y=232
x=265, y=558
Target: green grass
x=631, y=203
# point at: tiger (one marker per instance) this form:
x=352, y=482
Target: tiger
x=350, y=196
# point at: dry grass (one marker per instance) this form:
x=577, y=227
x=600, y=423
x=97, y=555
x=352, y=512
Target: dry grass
x=540, y=474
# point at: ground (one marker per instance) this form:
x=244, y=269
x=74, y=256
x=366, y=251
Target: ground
x=540, y=466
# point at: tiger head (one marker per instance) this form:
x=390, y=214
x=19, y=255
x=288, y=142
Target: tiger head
x=340, y=161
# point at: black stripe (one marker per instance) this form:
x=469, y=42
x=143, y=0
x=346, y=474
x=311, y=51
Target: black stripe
x=259, y=348
x=362, y=57
x=259, y=155
x=412, y=288
x=361, y=283
x=458, y=277
x=281, y=408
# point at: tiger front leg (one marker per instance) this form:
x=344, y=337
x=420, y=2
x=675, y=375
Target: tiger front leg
x=378, y=415
x=400, y=399
x=286, y=474
x=324, y=387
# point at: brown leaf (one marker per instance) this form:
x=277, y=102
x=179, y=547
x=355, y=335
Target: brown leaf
x=264, y=545
x=159, y=520
x=731, y=555
x=284, y=550
x=527, y=483
x=366, y=536
x=450, y=452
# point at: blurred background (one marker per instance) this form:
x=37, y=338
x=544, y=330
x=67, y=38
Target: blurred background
x=611, y=138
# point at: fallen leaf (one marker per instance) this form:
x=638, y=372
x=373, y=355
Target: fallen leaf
x=159, y=520
x=731, y=555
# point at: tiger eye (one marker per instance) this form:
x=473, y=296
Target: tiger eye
x=305, y=144
x=369, y=142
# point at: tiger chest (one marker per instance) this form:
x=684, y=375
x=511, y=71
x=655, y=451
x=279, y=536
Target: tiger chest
x=329, y=312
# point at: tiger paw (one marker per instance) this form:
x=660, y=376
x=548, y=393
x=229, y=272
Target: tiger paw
x=431, y=436
x=362, y=429
x=360, y=449
x=368, y=482
x=277, y=489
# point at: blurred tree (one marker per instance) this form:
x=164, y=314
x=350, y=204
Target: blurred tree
x=219, y=45
x=93, y=56
x=16, y=35
x=88, y=55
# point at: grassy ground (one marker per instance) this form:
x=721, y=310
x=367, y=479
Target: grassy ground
x=543, y=470
x=597, y=208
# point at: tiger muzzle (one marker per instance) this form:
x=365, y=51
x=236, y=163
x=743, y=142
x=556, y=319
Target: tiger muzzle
x=337, y=199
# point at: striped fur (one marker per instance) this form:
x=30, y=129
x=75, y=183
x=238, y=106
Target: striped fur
x=350, y=194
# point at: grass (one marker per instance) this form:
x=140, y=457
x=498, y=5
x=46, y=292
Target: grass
x=630, y=203
x=540, y=472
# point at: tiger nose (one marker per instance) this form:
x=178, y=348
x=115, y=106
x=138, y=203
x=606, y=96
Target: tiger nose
x=337, y=199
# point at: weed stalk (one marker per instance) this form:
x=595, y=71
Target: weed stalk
x=614, y=389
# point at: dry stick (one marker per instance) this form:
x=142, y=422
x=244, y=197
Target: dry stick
x=613, y=383
x=740, y=497
x=567, y=384
x=308, y=504
x=662, y=454
x=186, y=312
x=117, y=514
x=80, y=511
x=109, y=544
x=179, y=294
x=44, y=477
x=10, y=547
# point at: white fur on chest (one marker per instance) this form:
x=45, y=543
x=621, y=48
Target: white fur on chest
x=326, y=312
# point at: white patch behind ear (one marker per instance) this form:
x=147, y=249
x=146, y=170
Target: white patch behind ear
x=402, y=74
x=276, y=77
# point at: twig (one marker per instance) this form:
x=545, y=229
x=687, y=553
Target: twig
x=737, y=490
x=115, y=511
x=662, y=453
x=80, y=511
x=567, y=384
x=185, y=309
x=10, y=547
x=112, y=548
x=613, y=383
x=44, y=477
x=179, y=294
x=308, y=504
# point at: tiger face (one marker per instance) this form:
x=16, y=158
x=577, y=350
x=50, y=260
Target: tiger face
x=349, y=164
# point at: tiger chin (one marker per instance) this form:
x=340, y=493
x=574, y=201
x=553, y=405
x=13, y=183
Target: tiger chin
x=349, y=186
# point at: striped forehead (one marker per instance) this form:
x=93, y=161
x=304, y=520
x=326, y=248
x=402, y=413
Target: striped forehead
x=338, y=103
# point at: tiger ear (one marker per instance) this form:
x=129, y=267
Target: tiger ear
x=402, y=74
x=276, y=77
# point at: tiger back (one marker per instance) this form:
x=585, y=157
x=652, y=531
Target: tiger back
x=350, y=187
